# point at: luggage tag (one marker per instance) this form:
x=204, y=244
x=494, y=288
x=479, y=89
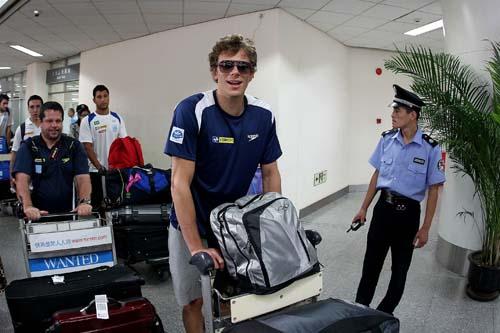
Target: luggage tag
x=101, y=307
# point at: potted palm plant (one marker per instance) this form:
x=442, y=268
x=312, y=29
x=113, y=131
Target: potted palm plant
x=463, y=114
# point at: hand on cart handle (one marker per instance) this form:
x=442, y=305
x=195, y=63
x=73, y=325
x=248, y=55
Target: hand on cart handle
x=83, y=209
x=33, y=213
x=206, y=260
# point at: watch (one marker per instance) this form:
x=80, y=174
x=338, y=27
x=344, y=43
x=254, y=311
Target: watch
x=84, y=201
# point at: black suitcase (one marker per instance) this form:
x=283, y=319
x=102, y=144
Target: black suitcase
x=157, y=214
x=5, y=192
x=136, y=243
x=326, y=316
x=32, y=301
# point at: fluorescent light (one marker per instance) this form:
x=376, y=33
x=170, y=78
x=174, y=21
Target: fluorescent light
x=27, y=51
x=2, y=2
x=5, y=67
x=425, y=28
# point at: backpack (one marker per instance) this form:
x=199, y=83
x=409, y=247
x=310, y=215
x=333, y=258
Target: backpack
x=125, y=153
x=132, y=186
x=263, y=243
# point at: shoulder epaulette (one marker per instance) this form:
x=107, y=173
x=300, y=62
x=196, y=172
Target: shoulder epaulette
x=429, y=140
x=391, y=131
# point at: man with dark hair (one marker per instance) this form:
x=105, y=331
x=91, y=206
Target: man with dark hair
x=28, y=129
x=407, y=165
x=97, y=132
x=52, y=161
x=6, y=120
x=216, y=141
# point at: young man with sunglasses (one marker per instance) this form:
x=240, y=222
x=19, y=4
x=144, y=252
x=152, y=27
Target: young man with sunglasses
x=216, y=141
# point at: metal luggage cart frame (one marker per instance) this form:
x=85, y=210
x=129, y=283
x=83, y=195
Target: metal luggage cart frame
x=69, y=245
x=220, y=311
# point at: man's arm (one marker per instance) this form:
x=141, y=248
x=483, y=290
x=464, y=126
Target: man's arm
x=89, y=149
x=423, y=234
x=182, y=176
x=8, y=134
x=84, y=188
x=24, y=196
x=370, y=194
x=12, y=161
x=271, y=178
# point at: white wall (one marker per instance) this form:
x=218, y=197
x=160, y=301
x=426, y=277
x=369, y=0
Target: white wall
x=369, y=99
x=313, y=100
x=325, y=95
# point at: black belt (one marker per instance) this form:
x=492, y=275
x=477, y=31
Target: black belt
x=399, y=201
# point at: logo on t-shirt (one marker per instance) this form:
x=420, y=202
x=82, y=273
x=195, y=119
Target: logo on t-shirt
x=252, y=137
x=177, y=135
x=222, y=139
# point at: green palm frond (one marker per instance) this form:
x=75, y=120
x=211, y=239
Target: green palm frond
x=459, y=111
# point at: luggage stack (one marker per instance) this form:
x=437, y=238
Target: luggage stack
x=65, y=303
x=138, y=203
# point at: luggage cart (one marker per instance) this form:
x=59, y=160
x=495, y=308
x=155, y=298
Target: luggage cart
x=62, y=243
x=220, y=311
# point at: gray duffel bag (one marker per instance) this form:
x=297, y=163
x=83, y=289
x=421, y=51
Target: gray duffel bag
x=263, y=243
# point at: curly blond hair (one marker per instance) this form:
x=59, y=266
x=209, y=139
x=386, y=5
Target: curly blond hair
x=233, y=44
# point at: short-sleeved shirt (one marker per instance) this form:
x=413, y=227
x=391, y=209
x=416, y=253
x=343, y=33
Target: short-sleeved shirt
x=52, y=171
x=101, y=131
x=6, y=120
x=408, y=169
x=30, y=130
x=226, y=149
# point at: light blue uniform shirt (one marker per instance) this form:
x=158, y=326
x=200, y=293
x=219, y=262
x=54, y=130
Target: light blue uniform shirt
x=407, y=169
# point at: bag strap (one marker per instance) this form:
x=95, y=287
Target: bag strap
x=23, y=131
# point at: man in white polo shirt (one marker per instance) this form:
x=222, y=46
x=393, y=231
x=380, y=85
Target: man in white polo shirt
x=28, y=129
x=97, y=132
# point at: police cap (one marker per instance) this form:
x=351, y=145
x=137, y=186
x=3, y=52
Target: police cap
x=406, y=98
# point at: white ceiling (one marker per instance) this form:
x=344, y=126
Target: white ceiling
x=67, y=27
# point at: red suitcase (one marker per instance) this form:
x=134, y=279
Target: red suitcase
x=135, y=315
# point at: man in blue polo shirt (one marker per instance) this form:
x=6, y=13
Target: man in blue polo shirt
x=407, y=165
x=51, y=161
x=216, y=140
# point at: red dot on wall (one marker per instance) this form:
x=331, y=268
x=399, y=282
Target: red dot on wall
x=378, y=71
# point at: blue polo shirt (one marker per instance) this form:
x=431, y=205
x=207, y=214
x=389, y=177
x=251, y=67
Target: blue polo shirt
x=52, y=171
x=226, y=149
x=408, y=169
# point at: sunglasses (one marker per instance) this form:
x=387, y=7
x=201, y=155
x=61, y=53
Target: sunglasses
x=226, y=66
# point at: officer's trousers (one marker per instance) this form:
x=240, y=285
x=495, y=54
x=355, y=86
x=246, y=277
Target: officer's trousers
x=394, y=228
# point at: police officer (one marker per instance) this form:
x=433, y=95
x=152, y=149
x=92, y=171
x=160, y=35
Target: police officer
x=52, y=161
x=407, y=164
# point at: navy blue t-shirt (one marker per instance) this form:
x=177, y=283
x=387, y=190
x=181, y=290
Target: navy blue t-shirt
x=226, y=149
x=52, y=171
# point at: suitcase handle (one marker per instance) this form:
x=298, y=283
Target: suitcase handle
x=91, y=306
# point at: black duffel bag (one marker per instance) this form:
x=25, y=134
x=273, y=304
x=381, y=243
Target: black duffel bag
x=137, y=185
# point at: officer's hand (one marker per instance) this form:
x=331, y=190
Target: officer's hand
x=13, y=182
x=216, y=257
x=361, y=216
x=421, y=238
x=83, y=209
x=33, y=213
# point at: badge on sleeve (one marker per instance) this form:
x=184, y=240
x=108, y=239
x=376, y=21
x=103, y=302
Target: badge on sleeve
x=177, y=135
x=440, y=165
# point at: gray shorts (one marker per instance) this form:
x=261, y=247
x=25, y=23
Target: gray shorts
x=185, y=277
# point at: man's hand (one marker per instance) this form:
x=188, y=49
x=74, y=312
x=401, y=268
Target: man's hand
x=421, y=238
x=215, y=254
x=361, y=216
x=33, y=213
x=83, y=209
x=12, y=182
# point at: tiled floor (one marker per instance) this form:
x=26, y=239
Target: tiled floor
x=434, y=300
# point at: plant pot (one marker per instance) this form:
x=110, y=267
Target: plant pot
x=484, y=281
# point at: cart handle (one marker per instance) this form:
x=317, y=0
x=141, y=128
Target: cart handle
x=95, y=214
x=314, y=237
x=203, y=262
